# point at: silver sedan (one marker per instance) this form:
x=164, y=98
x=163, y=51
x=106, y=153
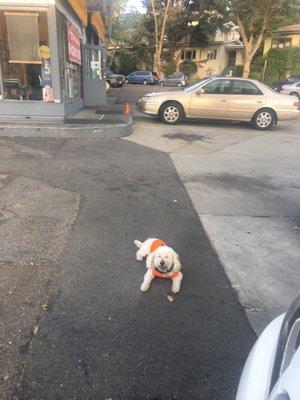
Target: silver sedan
x=292, y=89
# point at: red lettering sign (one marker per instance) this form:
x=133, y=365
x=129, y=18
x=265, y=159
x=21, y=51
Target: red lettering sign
x=73, y=44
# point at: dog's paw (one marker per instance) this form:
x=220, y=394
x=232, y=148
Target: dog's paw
x=175, y=290
x=139, y=257
x=144, y=288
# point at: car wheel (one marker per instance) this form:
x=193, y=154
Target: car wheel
x=145, y=82
x=264, y=119
x=295, y=94
x=162, y=84
x=179, y=84
x=171, y=113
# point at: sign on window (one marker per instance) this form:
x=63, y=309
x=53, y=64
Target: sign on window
x=74, y=50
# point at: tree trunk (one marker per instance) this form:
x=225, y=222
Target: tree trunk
x=246, y=69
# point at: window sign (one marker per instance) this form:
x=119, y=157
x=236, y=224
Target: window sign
x=47, y=82
x=74, y=50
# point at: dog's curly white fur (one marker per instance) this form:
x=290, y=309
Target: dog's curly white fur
x=164, y=259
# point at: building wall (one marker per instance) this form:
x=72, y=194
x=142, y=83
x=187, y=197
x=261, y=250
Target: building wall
x=295, y=39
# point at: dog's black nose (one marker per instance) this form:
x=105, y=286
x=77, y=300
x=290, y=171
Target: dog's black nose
x=162, y=263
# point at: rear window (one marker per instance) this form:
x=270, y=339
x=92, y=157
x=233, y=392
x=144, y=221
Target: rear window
x=246, y=88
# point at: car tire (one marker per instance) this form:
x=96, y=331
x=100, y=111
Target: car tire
x=295, y=94
x=264, y=119
x=145, y=82
x=171, y=113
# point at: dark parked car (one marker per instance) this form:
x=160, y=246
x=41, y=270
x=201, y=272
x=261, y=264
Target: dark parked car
x=114, y=80
x=179, y=80
x=144, y=77
x=278, y=84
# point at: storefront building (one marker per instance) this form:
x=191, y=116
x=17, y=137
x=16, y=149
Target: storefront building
x=52, y=56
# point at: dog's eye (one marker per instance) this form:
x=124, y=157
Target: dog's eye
x=167, y=257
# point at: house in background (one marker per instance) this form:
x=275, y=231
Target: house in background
x=223, y=49
x=286, y=36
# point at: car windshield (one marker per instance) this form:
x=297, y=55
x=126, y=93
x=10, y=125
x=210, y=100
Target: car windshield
x=195, y=86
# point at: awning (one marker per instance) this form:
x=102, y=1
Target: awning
x=80, y=9
x=98, y=25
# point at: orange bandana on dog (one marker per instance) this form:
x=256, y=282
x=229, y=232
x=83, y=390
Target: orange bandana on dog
x=155, y=245
x=160, y=275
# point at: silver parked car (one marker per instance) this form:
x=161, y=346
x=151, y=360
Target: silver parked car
x=222, y=99
x=292, y=89
x=179, y=80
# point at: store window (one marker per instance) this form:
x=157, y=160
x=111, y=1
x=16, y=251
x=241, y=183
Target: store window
x=69, y=54
x=25, y=56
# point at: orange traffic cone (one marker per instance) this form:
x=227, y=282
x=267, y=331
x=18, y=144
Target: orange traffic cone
x=127, y=109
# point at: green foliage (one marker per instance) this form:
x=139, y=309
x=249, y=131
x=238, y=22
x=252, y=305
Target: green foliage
x=280, y=64
x=234, y=70
x=168, y=68
x=188, y=67
x=126, y=62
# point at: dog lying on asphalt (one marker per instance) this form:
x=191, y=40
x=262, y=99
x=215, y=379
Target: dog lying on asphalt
x=162, y=261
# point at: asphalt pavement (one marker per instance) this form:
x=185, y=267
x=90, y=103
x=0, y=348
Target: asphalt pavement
x=93, y=334
x=245, y=187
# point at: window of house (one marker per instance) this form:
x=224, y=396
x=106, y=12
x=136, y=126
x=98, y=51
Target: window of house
x=212, y=54
x=281, y=43
x=25, y=56
x=219, y=86
x=245, y=88
x=188, y=55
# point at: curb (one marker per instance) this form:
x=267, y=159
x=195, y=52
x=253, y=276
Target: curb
x=97, y=131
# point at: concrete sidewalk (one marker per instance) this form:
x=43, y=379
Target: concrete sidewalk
x=245, y=187
x=93, y=122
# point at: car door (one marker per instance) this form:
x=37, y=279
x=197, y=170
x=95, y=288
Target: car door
x=167, y=80
x=246, y=99
x=173, y=80
x=131, y=77
x=212, y=100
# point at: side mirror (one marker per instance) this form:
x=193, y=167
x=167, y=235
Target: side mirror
x=199, y=92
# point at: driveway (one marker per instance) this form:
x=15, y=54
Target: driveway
x=74, y=323
x=245, y=187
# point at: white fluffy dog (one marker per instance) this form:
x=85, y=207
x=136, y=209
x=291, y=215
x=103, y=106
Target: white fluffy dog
x=161, y=261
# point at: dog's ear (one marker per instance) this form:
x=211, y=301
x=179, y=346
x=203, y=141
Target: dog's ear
x=176, y=262
x=150, y=261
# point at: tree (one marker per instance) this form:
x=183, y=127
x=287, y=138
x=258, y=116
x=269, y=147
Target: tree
x=257, y=19
x=178, y=23
x=160, y=11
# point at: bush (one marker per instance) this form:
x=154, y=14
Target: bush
x=126, y=62
x=281, y=63
x=168, y=68
x=233, y=70
x=188, y=67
